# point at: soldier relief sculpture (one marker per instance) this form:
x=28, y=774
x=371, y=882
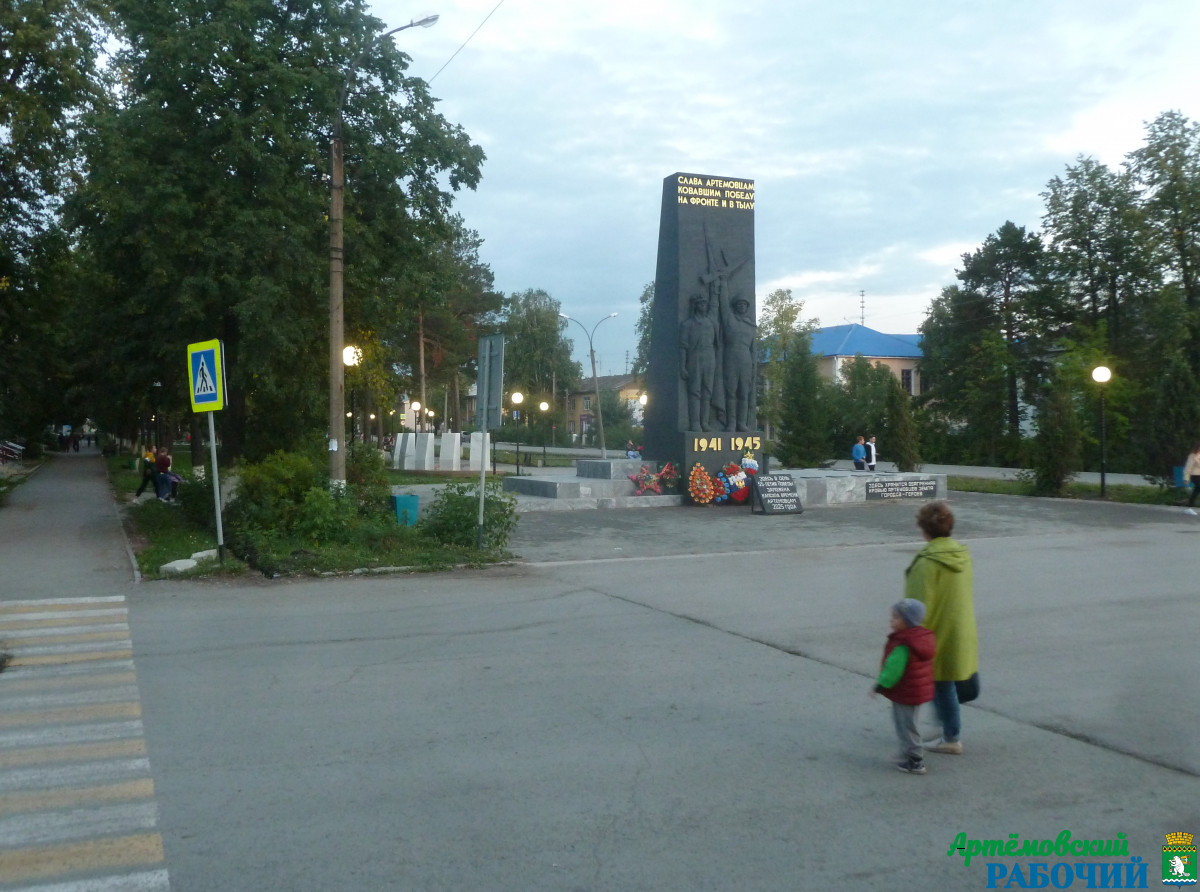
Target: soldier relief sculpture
x=717, y=350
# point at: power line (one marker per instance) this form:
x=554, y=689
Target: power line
x=465, y=42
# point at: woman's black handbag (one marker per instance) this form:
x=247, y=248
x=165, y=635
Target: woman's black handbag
x=968, y=689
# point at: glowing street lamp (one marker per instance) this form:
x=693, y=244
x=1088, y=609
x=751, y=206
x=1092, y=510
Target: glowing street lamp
x=1102, y=375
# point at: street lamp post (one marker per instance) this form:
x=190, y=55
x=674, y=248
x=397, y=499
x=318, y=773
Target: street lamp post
x=351, y=356
x=544, y=406
x=517, y=398
x=1102, y=375
x=595, y=379
x=337, y=188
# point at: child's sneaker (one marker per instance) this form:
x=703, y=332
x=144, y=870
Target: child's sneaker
x=912, y=766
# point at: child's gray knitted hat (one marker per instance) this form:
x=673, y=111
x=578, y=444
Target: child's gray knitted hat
x=911, y=611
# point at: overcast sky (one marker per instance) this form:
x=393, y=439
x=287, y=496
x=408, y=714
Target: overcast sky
x=885, y=139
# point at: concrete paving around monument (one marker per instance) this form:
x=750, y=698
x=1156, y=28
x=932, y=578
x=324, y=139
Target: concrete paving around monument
x=647, y=700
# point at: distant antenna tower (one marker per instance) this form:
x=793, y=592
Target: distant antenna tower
x=862, y=308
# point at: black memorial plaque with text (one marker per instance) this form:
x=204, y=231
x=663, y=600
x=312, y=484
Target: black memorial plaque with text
x=774, y=494
x=703, y=338
x=925, y=488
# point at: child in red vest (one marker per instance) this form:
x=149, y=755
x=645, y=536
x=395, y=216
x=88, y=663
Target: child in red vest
x=906, y=677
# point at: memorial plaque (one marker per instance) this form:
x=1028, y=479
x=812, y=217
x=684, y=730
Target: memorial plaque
x=924, y=488
x=703, y=339
x=774, y=494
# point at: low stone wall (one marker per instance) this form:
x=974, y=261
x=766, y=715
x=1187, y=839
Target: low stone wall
x=609, y=481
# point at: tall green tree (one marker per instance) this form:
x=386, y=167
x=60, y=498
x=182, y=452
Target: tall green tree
x=805, y=437
x=1008, y=276
x=900, y=432
x=1056, y=445
x=49, y=79
x=1167, y=169
x=645, y=322
x=537, y=353
x=858, y=402
x=204, y=209
x=778, y=325
x=1094, y=228
x=963, y=375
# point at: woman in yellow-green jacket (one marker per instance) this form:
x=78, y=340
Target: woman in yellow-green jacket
x=940, y=577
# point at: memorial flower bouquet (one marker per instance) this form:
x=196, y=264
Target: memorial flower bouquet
x=735, y=482
x=645, y=479
x=655, y=481
x=700, y=485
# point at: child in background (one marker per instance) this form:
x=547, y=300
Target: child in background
x=906, y=678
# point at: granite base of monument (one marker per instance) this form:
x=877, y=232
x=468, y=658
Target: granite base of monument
x=605, y=484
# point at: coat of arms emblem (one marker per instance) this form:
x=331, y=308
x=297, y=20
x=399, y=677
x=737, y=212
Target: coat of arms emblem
x=1179, y=860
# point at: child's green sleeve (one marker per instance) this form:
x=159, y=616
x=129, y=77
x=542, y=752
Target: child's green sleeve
x=893, y=667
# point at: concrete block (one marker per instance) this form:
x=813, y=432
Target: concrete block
x=450, y=449
x=423, y=458
x=479, y=456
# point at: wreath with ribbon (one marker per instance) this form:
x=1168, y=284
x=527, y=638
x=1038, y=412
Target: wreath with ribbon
x=700, y=485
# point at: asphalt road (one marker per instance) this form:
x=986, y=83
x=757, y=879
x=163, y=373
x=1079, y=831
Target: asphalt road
x=669, y=699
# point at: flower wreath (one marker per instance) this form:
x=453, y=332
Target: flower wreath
x=720, y=487
x=645, y=479
x=700, y=485
x=737, y=484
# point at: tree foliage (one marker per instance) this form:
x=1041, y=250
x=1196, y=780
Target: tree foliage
x=1114, y=278
x=203, y=214
x=645, y=322
x=48, y=81
x=537, y=353
x=805, y=437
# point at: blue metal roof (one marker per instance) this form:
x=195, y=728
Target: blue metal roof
x=853, y=339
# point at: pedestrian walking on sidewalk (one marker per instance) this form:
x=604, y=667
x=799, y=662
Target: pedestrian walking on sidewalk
x=906, y=678
x=1191, y=472
x=941, y=577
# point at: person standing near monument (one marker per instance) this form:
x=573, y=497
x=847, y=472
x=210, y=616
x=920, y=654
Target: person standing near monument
x=698, y=336
x=871, y=454
x=859, y=453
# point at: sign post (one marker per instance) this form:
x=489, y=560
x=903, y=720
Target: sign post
x=489, y=397
x=206, y=377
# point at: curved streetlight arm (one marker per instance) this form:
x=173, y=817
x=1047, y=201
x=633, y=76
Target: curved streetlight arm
x=427, y=22
x=595, y=378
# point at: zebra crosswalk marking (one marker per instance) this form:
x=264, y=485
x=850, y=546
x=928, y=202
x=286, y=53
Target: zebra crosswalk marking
x=77, y=805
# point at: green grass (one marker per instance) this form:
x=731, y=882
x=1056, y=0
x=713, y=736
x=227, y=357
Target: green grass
x=1119, y=492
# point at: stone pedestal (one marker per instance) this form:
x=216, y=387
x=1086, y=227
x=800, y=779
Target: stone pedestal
x=402, y=455
x=481, y=444
x=423, y=459
x=450, y=452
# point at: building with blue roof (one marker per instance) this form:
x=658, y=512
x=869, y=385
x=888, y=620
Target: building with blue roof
x=838, y=344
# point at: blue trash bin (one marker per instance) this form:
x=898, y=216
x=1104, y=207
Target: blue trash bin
x=1180, y=483
x=406, y=510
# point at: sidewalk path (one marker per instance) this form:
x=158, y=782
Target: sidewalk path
x=77, y=798
x=60, y=535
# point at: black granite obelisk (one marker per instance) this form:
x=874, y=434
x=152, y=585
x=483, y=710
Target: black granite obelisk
x=702, y=377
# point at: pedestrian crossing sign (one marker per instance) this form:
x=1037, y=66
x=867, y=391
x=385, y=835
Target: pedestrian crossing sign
x=206, y=375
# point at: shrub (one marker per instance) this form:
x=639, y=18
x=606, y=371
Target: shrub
x=453, y=518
